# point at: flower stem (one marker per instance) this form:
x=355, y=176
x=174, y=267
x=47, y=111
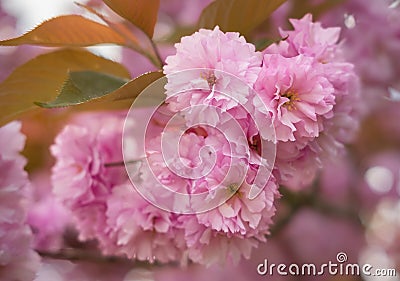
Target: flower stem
x=121, y=163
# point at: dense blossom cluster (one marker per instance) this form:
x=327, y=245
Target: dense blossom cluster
x=198, y=180
x=230, y=98
x=315, y=102
x=47, y=217
x=81, y=178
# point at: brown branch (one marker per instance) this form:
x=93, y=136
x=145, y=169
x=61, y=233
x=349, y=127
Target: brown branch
x=85, y=255
x=157, y=53
x=120, y=163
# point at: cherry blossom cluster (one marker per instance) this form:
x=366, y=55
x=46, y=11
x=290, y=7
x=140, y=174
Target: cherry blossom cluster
x=18, y=261
x=315, y=102
x=201, y=184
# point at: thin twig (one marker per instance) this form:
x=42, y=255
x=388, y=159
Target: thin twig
x=120, y=163
x=157, y=53
x=76, y=255
x=83, y=255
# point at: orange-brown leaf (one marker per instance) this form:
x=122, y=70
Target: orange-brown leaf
x=71, y=30
x=142, y=13
x=134, y=87
x=237, y=15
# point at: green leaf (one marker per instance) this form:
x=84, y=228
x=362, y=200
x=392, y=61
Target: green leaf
x=142, y=13
x=83, y=86
x=70, y=30
x=237, y=15
x=100, y=90
x=41, y=78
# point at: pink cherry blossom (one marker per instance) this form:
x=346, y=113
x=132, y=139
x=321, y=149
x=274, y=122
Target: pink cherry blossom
x=207, y=246
x=140, y=230
x=239, y=214
x=46, y=215
x=310, y=39
x=232, y=176
x=81, y=178
x=304, y=149
x=207, y=66
x=296, y=167
x=17, y=259
x=296, y=94
x=343, y=127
